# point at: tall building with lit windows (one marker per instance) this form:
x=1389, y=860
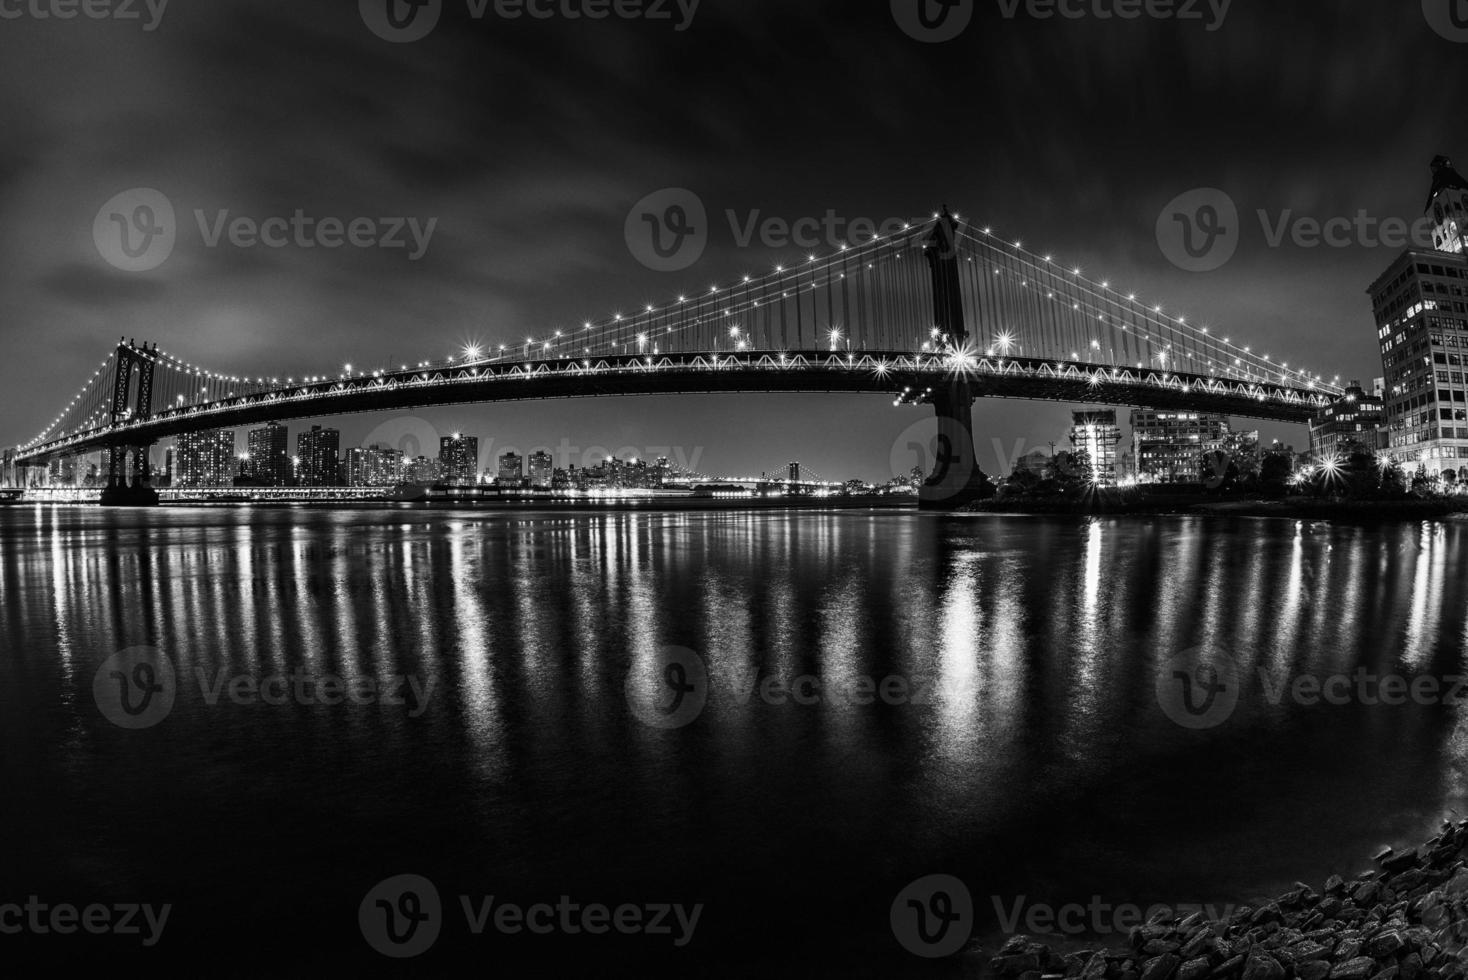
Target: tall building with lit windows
x=1097, y=435
x=1351, y=423
x=1421, y=308
x=458, y=455
x=374, y=466
x=319, y=457
x=204, y=459
x=542, y=469
x=268, y=449
x=510, y=469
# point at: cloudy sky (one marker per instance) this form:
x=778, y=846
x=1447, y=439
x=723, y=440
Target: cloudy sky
x=528, y=140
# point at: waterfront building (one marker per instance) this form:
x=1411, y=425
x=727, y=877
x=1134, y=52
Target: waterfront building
x=1168, y=446
x=204, y=459
x=374, y=466
x=1351, y=423
x=424, y=471
x=511, y=469
x=1420, y=304
x=269, y=456
x=1097, y=434
x=318, y=457
x=458, y=457
x=541, y=469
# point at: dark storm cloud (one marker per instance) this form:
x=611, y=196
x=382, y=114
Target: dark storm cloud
x=528, y=141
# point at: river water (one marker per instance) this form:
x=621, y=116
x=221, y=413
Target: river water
x=473, y=697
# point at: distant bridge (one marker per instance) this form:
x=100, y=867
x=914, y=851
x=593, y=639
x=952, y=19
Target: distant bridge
x=940, y=314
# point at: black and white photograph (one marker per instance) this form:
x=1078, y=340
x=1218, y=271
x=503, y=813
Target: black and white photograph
x=895, y=489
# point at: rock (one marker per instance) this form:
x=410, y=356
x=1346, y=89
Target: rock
x=1334, y=885
x=1200, y=942
x=1015, y=965
x=1262, y=966
x=1366, y=892
x=1095, y=967
x=1159, y=946
x=1347, y=949
x=1385, y=945
x=1194, y=969
x=1390, y=973
x=1400, y=862
x=1357, y=968
x=1159, y=967
x=1074, y=964
x=1014, y=944
x=1229, y=967
x=1313, y=970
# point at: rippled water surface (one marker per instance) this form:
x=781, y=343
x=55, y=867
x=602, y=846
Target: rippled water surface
x=1038, y=764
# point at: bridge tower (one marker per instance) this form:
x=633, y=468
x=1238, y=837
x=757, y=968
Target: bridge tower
x=130, y=360
x=956, y=478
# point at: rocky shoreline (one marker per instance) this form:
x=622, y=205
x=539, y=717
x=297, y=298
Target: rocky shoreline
x=1406, y=919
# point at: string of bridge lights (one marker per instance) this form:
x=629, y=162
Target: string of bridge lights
x=621, y=328
x=1104, y=289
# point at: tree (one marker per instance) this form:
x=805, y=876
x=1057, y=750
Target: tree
x=1274, y=473
x=1393, y=480
x=1421, y=482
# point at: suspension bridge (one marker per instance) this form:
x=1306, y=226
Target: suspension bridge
x=939, y=314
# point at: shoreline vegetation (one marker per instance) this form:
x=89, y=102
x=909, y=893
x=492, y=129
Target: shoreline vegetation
x=1405, y=919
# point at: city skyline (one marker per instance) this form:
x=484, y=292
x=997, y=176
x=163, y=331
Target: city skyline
x=567, y=223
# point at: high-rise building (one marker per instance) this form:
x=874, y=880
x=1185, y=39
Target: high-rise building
x=424, y=471
x=1421, y=309
x=542, y=469
x=510, y=470
x=1447, y=205
x=458, y=456
x=1097, y=435
x=374, y=466
x=1168, y=447
x=1351, y=423
x=204, y=459
x=268, y=449
x=318, y=454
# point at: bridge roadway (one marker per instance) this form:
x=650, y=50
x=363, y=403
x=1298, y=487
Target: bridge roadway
x=885, y=372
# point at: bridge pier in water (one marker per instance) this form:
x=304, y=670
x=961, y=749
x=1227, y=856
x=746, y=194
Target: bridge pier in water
x=120, y=491
x=956, y=479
